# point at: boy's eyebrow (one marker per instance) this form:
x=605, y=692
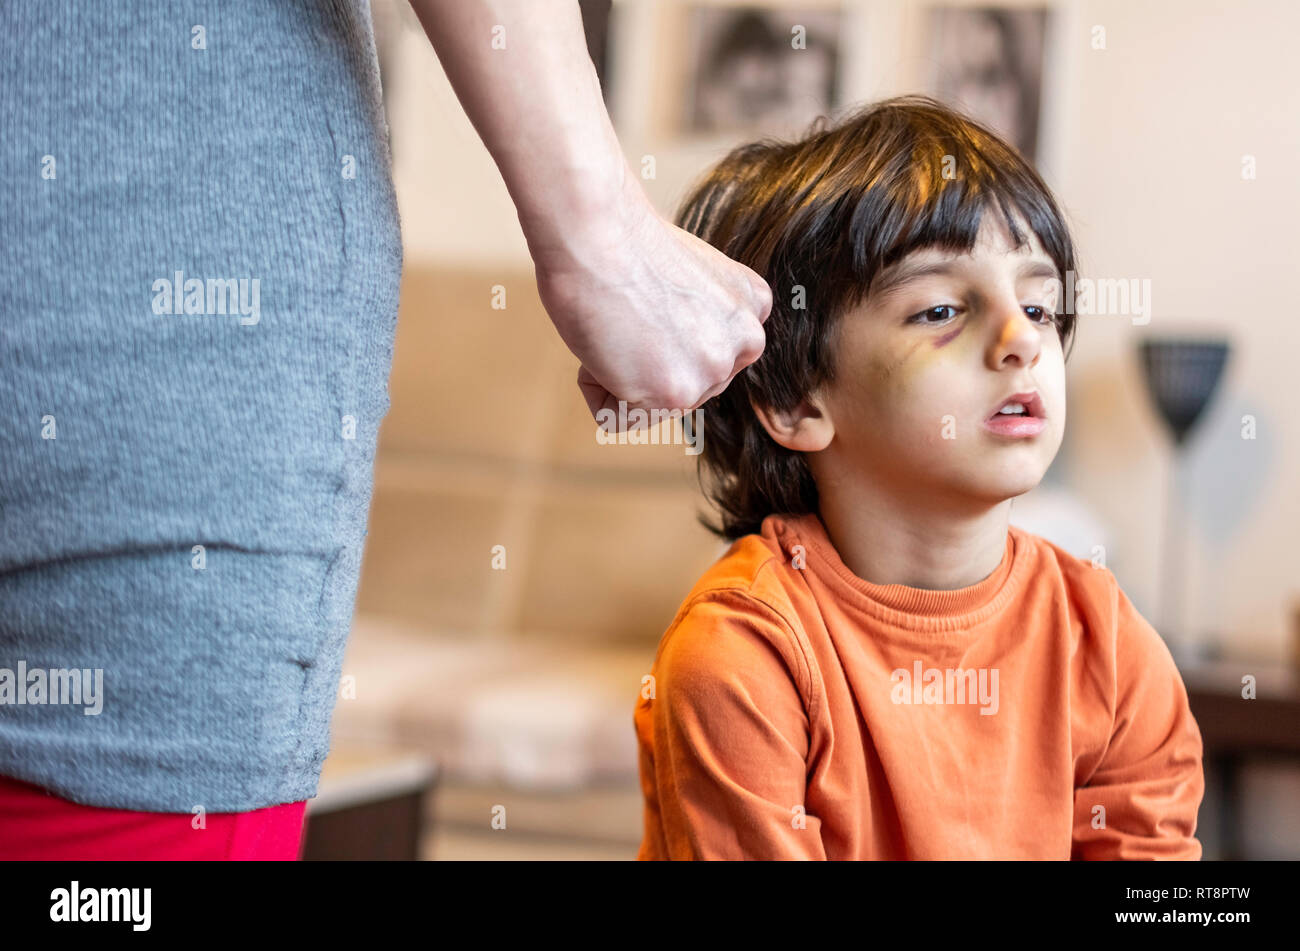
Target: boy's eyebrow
x=902, y=274
x=899, y=275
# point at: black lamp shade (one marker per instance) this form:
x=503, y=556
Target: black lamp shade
x=1181, y=376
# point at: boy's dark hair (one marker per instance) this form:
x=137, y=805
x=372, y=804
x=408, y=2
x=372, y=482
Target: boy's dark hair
x=829, y=212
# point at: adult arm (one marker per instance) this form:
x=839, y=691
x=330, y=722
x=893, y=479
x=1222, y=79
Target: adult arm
x=657, y=317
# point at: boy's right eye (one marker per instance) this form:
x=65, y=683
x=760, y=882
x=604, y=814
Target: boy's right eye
x=922, y=317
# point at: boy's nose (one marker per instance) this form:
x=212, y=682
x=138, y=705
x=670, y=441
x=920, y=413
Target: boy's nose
x=1016, y=339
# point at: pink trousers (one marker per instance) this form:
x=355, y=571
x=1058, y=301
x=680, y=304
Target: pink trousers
x=35, y=825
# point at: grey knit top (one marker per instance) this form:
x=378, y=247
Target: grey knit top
x=199, y=264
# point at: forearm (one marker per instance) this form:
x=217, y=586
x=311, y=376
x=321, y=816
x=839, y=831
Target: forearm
x=537, y=105
x=658, y=317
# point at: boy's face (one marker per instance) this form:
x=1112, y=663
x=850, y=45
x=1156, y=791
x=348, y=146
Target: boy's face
x=925, y=362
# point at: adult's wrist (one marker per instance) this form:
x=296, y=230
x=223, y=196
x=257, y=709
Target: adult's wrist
x=587, y=220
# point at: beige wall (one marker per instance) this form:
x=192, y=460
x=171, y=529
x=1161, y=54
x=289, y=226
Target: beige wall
x=1143, y=143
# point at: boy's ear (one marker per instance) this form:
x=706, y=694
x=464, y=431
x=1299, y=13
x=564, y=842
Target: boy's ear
x=806, y=428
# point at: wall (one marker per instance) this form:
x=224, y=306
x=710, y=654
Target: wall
x=1143, y=144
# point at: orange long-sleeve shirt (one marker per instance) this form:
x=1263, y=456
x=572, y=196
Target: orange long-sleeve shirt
x=797, y=711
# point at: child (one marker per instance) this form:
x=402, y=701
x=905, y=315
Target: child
x=881, y=666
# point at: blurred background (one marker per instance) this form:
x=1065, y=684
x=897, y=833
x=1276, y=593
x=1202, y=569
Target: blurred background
x=518, y=575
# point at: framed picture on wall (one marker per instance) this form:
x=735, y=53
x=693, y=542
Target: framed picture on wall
x=758, y=69
x=988, y=62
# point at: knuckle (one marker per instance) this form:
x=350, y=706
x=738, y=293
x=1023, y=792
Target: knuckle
x=680, y=393
x=759, y=299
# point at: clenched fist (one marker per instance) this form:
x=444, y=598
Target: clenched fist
x=658, y=317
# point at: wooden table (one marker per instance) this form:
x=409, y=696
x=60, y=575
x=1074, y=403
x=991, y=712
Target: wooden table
x=1234, y=729
x=370, y=805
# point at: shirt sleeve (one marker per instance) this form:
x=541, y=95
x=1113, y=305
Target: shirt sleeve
x=1150, y=779
x=730, y=737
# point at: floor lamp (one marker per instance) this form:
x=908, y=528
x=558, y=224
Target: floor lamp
x=1181, y=375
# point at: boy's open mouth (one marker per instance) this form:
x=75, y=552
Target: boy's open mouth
x=1019, y=404
x=1024, y=417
